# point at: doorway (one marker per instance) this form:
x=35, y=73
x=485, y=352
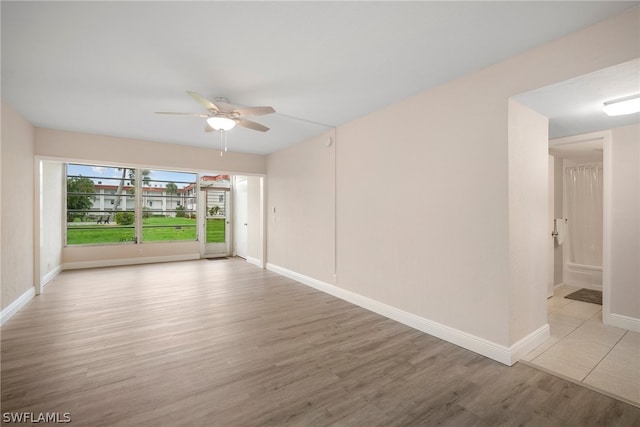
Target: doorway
x=231, y=211
x=216, y=218
x=578, y=258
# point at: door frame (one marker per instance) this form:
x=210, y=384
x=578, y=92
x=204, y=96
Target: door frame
x=256, y=212
x=202, y=214
x=605, y=137
x=240, y=204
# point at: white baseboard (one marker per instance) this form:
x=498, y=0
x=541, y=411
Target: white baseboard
x=527, y=344
x=254, y=261
x=500, y=353
x=624, y=322
x=578, y=286
x=128, y=261
x=50, y=275
x=16, y=305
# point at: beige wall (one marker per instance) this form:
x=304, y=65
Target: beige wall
x=50, y=227
x=17, y=205
x=255, y=230
x=111, y=150
x=301, y=190
x=625, y=222
x=530, y=238
x=409, y=201
x=106, y=255
x=422, y=191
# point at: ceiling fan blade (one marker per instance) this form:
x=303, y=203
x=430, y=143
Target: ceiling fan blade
x=251, y=125
x=204, y=102
x=182, y=114
x=254, y=111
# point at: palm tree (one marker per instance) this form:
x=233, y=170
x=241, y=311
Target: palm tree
x=146, y=179
x=171, y=189
x=132, y=175
x=118, y=199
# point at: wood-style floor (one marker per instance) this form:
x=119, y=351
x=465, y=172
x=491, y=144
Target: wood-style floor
x=224, y=343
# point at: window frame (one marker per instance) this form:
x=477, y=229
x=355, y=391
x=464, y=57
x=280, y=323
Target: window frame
x=167, y=212
x=108, y=200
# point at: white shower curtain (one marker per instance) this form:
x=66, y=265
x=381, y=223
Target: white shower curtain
x=583, y=198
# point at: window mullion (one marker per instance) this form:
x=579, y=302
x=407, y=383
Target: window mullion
x=138, y=193
x=65, y=205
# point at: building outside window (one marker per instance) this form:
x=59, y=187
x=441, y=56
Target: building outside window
x=103, y=207
x=168, y=219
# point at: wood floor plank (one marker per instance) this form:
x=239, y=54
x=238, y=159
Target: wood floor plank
x=226, y=343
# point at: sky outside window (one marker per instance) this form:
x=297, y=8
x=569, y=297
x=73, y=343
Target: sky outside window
x=110, y=175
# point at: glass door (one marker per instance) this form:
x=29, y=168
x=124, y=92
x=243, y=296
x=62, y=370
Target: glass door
x=216, y=225
x=217, y=216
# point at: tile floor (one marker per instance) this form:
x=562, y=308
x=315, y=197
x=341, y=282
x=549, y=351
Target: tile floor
x=581, y=348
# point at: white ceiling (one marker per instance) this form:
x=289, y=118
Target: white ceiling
x=575, y=106
x=105, y=67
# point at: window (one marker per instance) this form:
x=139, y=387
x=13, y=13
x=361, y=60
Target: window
x=125, y=205
x=173, y=216
x=89, y=219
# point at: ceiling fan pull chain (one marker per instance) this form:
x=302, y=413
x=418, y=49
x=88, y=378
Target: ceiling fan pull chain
x=225, y=140
x=221, y=142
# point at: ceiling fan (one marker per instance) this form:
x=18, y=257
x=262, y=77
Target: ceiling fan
x=224, y=116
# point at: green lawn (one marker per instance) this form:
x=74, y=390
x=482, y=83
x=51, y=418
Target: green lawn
x=98, y=234
x=153, y=230
x=162, y=229
x=215, y=230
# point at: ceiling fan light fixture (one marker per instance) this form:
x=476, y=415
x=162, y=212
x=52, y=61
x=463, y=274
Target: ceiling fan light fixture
x=221, y=123
x=622, y=106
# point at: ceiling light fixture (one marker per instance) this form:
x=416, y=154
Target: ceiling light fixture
x=221, y=123
x=622, y=106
